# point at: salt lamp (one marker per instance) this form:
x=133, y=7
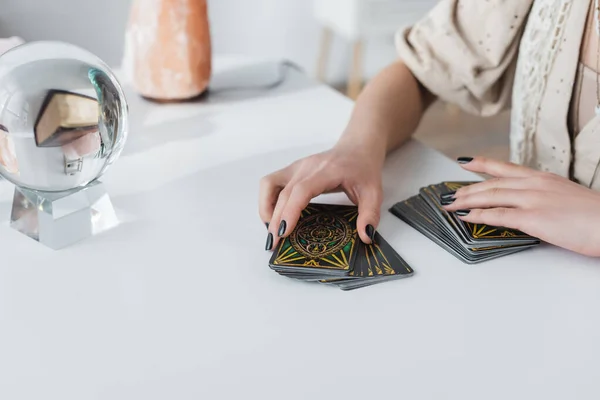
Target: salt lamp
x=168, y=49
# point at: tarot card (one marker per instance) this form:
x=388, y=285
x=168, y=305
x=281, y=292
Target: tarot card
x=324, y=242
x=476, y=233
x=409, y=211
x=375, y=263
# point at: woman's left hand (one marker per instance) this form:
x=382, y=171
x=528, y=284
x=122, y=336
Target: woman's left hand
x=543, y=205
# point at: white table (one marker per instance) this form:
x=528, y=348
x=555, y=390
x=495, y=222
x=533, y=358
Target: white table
x=178, y=302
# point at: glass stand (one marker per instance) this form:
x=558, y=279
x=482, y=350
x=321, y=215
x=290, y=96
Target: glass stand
x=60, y=219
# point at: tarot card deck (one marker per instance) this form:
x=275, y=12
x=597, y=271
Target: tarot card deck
x=471, y=243
x=325, y=247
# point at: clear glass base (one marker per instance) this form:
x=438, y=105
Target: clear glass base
x=61, y=219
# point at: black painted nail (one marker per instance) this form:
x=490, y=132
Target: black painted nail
x=464, y=160
x=267, y=225
x=447, y=202
x=370, y=232
x=448, y=196
x=463, y=213
x=282, y=228
x=269, y=244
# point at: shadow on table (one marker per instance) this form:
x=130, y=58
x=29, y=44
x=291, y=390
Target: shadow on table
x=265, y=80
x=146, y=136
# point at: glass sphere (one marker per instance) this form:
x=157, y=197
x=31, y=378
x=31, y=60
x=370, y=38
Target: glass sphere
x=63, y=116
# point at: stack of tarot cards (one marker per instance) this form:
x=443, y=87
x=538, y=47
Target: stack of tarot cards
x=325, y=247
x=471, y=243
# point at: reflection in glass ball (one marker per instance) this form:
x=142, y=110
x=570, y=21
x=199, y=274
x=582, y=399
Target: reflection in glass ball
x=63, y=116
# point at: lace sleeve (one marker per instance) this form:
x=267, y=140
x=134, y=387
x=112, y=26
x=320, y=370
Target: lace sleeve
x=464, y=51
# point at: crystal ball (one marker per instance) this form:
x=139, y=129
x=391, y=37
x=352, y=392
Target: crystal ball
x=63, y=116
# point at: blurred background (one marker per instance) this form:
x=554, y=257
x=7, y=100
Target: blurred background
x=341, y=42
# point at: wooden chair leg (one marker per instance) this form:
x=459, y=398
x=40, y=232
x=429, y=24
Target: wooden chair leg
x=326, y=36
x=355, y=78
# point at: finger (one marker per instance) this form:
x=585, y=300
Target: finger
x=514, y=198
x=546, y=182
x=337, y=189
x=352, y=195
x=496, y=168
x=369, y=211
x=275, y=224
x=496, y=183
x=270, y=187
x=512, y=218
x=300, y=196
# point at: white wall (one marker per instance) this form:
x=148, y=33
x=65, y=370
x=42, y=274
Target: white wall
x=274, y=28
x=100, y=31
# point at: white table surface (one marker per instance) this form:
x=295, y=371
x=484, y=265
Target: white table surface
x=178, y=301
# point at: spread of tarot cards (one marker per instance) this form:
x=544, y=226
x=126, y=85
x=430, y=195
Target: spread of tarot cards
x=325, y=247
x=471, y=243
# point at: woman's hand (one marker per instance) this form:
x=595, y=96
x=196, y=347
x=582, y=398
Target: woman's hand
x=385, y=116
x=354, y=169
x=540, y=204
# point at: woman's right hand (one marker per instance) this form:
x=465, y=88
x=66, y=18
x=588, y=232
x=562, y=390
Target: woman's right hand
x=354, y=169
x=385, y=116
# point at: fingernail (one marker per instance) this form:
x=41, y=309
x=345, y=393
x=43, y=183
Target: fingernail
x=447, y=202
x=267, y=225
x=269, y=244
x=370, y=232
x=282, y=228
x=463, y=213
x=464, y=160
x=448, y=196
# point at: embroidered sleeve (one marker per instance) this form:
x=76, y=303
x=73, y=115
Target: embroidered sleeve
x=464, y=51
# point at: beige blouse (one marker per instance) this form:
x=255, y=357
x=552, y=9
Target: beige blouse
x=527, y=55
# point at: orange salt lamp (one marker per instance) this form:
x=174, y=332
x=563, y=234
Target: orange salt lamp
x=168, y=49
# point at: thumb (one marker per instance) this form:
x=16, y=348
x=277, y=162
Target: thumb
x=369, y=211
